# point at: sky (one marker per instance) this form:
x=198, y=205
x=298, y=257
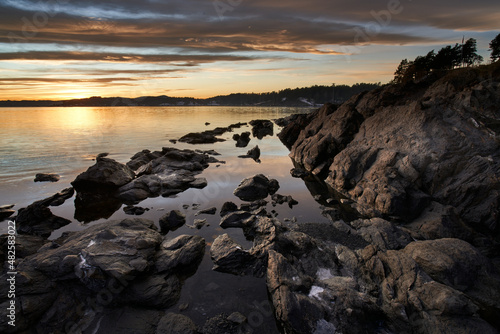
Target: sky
x=64, y=49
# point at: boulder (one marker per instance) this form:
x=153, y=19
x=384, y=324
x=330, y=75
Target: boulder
x=242, y=139
x=38, y=219
x=228, y=207
x=172, y=221
x=209, y=211
x=262, y=128
x=105, y=174
x=253, y=153
x=181, y=252
x=230, y=257
x=255, y=188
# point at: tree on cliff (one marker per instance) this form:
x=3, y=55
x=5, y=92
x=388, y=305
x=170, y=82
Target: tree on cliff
x=469, y=53
x=495, y=48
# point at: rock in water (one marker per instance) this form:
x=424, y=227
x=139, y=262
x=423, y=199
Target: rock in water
x=43, y=177
x=255, y=188
x=262, y=128
x=172, y=221
x=106, y=173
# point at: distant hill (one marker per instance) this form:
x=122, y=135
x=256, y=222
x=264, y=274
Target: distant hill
x=307, y=96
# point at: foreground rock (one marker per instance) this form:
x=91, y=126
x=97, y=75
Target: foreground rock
x=256, y=187
x=172, y=221
x=242, y=140
x=126, y=263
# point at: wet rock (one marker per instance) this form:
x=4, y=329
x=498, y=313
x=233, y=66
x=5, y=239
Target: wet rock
x=228, y=207
x=6, y=211
x=299, y=173
x=38, y=219
x=198, y=183
x=172, y=323
x=172, y=221
x=253, y=206
x=209, y=211
x=91, y=206
x=105, y=174
x=242, y=139
x=253, y=153
x=181, y=252
x=134, y=210
x=25, y=245
x=292, y=127
x=207, y=137
x=47, y=177
x=262, y=128
x=154, y=291
x=59, y=198
x=199, y=223
x=280, y=199
x=220, y=324
x=255, y=188
x=237, y=219
x=230, y=257
x=237, y=317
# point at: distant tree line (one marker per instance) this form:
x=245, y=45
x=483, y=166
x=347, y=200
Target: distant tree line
x=448, y=58
x=314, y=95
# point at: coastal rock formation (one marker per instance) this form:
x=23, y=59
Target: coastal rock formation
x=86, y=279
x=208, y=136
x=420, y=164
x=394, y=150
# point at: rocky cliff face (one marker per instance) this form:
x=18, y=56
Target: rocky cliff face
x=395, y=150
x=421, y=165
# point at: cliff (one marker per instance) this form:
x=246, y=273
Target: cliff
x=420, y=164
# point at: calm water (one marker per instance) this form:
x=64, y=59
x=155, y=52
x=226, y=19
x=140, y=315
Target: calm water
x=65, y=140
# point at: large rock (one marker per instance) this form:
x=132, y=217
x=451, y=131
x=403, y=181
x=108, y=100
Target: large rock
x=183, y=251
x=172, y=221
x=256, y=187
x=262, y=128
x=394, y=149
x=106, y=173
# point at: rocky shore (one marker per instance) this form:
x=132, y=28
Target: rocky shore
x=420, y=164
x=408, y=177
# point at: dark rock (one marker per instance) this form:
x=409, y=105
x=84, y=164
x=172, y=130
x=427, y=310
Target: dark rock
x=237, y=317
x=228, y=207
x=105, y=174
x=230, y=257
x=299, y=173
x=180, y=253
x=243, y=139
x=172, y=221
x=280, y=199
x=59, y=198
x=43, y=177
x=273, y=186
x=293, y=125
x=6, y=211
x=91, y=206
x=253, y=153
x=206, y=137
x=209, y=211
x=253, y=206
x=155, y=291
x=255, y=188
x=207, y=123
x=37, y=219
x=199, y=223
x=172, y=323
x=262, y=128
x=220, y=324
x=134, y=210
x=198, y=183
x=237, y=219
x=102, y=155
